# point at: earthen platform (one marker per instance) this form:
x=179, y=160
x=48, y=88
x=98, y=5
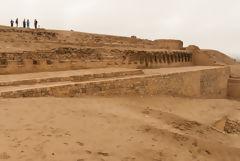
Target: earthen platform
x=198, y=81
x=60, y=76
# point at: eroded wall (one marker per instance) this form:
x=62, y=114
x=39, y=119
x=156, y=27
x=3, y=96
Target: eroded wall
x=169, y=44
x=160, y=59
x=16, y=39
x=83, y=58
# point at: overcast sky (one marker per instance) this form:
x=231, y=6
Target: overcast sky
x=210, y=24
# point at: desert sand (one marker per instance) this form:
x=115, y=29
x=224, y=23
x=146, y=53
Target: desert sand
x=159, y=128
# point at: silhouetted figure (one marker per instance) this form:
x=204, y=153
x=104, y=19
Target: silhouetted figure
x=24, y=23
x=28, y=23
x=16, y=22
x=11, y=22
x=35, y=23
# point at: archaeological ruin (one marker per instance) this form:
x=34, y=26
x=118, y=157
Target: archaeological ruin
x=36, y=63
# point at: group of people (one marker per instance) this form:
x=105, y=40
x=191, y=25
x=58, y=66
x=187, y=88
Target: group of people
x=26, y=23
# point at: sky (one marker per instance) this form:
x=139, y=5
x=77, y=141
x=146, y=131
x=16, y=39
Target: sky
x=209, y=24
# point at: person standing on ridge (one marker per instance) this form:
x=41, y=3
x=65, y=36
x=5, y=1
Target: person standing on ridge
x=24, y=23
x=16, y=22
x=35, y=23
x=11, y=22
x=28, y=23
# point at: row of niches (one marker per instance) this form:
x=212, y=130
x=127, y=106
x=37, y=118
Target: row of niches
x=5, y=62
x=166, y=58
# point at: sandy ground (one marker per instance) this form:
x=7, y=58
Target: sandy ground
x=159, y=128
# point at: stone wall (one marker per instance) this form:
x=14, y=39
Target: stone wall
x=188, y=84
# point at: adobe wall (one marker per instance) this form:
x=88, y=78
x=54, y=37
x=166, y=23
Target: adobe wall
x=83, y=58
x=161, y=59
x=78, y=76
x=214, y=83
x=234, y=88
x=201, y=58
x=190, y=84
x=169, y=44
x=31, y=66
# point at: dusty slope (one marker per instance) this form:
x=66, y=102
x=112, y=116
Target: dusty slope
x=19, y=39
x=116, y=129
x=219, y=58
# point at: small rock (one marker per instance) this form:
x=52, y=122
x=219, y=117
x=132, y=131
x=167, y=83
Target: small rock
x=79, y=143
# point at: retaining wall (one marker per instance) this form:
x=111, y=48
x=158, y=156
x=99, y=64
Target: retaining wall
x=214, y=82
x=234, y=88
x=190, y=84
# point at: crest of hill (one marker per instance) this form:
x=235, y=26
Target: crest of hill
x=20, y=39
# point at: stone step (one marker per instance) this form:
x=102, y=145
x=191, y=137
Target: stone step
x=64, y=76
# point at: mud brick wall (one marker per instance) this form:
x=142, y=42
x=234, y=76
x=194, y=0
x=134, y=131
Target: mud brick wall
x=213, y=83
x=169, y=44
x=157, y=59
x=83, y=58
x=72, y=78
x=178, y=84
x=234, y=88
